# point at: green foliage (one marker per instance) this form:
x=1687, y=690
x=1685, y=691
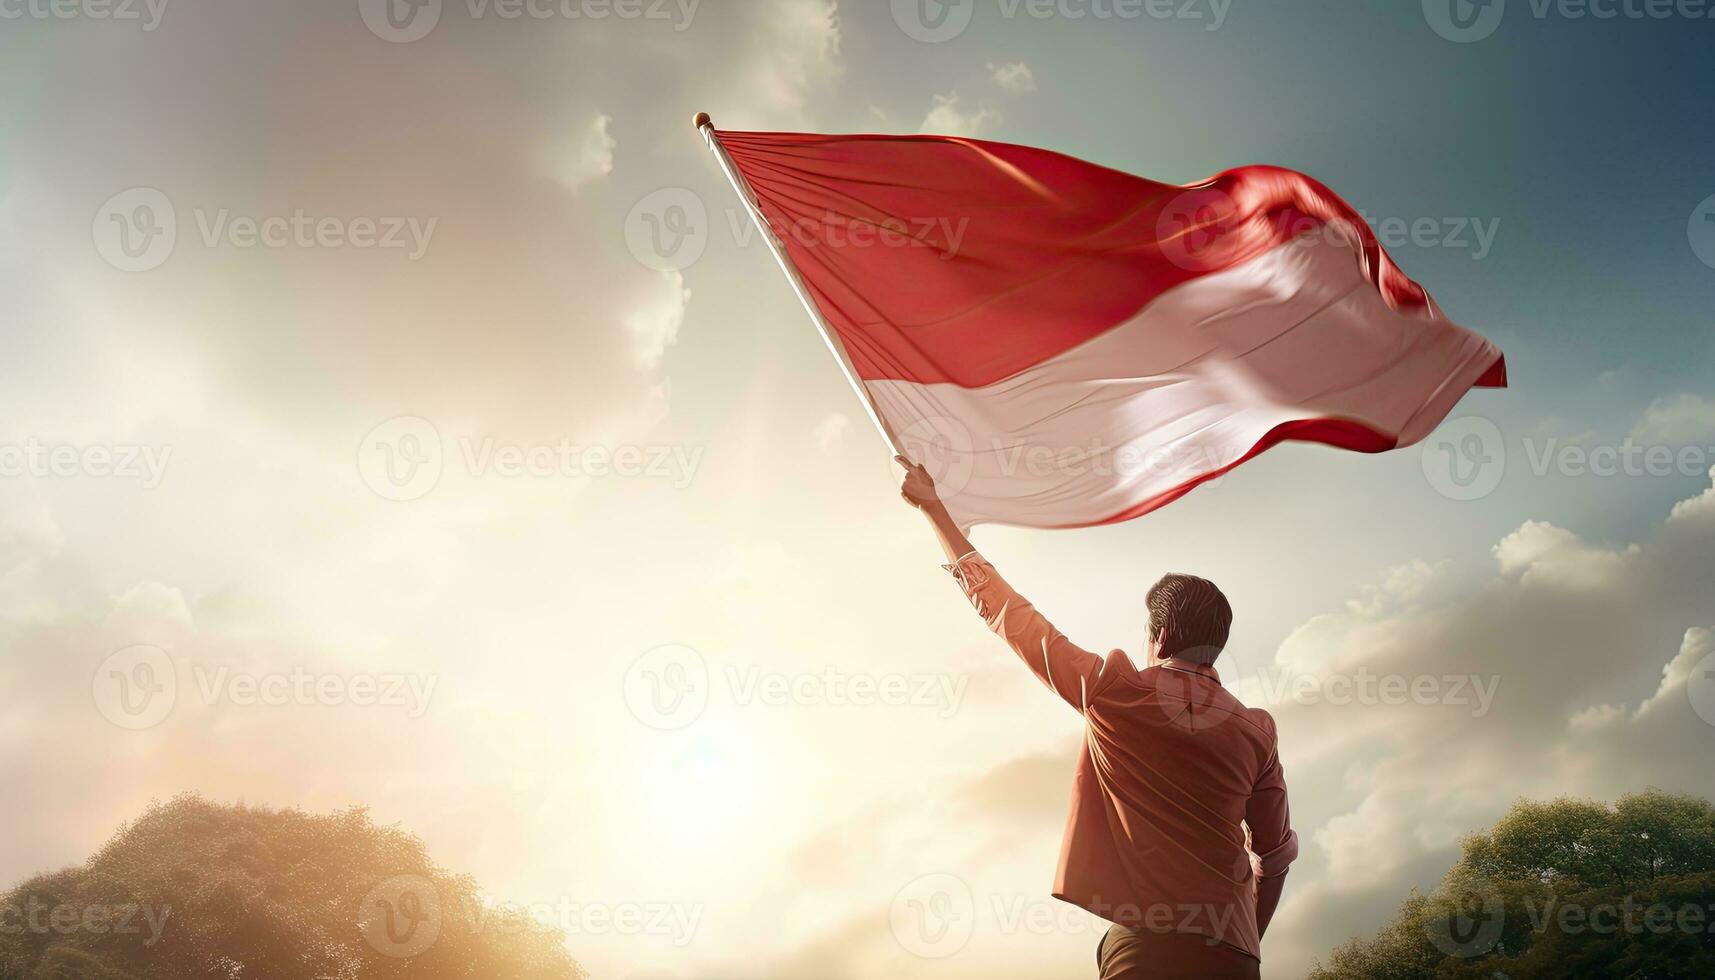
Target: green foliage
x=199, y=891
x=1565, y=888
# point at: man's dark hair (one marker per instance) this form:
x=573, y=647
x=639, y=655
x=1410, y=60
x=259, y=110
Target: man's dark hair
x=1195, y=616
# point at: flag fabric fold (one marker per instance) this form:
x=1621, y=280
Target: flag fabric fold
x=1066, y=345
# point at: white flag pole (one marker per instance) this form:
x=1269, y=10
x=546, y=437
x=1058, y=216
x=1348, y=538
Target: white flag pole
x=705, y=126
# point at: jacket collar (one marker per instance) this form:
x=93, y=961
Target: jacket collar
x=1206, y=670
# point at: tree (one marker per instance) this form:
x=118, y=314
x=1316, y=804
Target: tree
x=196, y=891
x=1557, y=889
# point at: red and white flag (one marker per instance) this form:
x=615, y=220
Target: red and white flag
x=1067, y=345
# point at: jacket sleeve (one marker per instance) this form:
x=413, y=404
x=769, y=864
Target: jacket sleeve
x=1069, y=670
x=1270, y=820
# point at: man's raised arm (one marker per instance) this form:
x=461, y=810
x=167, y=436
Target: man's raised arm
x=1067, y=669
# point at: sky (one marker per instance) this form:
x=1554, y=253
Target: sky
x=362, y=443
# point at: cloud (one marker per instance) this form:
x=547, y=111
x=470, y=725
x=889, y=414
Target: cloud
x=1698, y=509
x=588, y=155
x=1541, y=554
x=788, y=56
x=831, y=430
x=1031, y=791
x=655, y=328
x=514, y=315
x=1016, y=78
x=1678, y=420
x=949, y=118
x=1589, y=650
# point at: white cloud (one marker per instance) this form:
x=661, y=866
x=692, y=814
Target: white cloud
x=1542, y=554
x=1015, y=78
x=588, y=155
x=1678, y=420
x=655, y=327
x=1589, y=650
x=831, y=430
x=1700, y=507
x=796, y=55
x=948, y=117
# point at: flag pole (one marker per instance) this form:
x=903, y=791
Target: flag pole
x=705, y=126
